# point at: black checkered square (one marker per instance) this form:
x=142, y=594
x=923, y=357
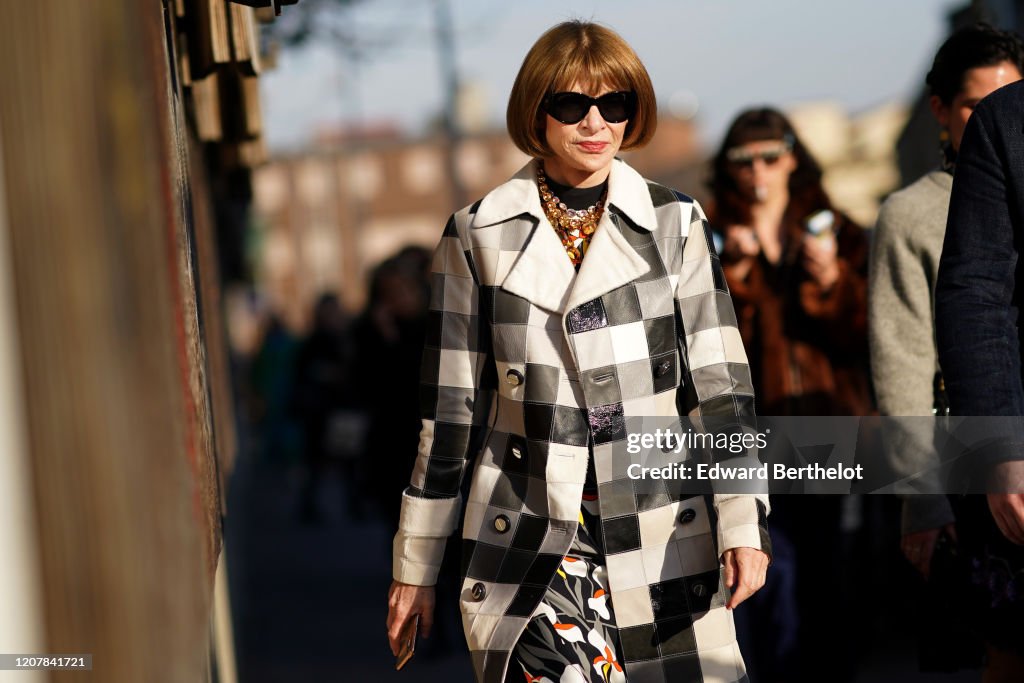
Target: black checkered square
x=586, y=317
x=621, y=534
x=622, y=306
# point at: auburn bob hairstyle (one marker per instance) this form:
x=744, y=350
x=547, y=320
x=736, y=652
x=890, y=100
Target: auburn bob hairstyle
x=590, y=56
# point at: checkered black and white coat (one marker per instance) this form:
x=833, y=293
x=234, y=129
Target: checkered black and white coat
x=528, y=366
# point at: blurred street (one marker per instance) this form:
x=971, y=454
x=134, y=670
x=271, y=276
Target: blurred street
x=310, y=600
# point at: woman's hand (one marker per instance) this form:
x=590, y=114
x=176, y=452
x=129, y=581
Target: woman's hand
x=404, y=602
x=740, y=249
x=740, y=242
x=821, y=260
x=745, y=572
x=919, y=547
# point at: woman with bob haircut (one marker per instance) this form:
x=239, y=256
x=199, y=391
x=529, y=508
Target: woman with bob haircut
x=567, y=300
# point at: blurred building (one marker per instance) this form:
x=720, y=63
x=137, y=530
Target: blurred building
x=857, y=153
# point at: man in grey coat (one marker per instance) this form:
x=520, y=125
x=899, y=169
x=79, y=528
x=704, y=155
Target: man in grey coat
x=904, y=267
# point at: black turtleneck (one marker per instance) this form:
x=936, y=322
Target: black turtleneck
x=578, y=197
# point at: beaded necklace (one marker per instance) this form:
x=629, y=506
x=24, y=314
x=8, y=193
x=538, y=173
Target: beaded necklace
x=573, y=227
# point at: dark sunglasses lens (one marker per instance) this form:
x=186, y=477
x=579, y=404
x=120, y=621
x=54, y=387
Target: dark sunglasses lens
x=616, y=107
x=568, y=107
x=572, y=107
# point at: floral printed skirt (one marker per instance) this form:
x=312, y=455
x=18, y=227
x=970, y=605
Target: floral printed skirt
x=572, y=637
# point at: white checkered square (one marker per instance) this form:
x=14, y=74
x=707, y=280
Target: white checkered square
x=450, y=259
x=503, y=264
x=657, y=526
x=569, y=391
x=594, y=349
x=629, y=342
x=546, y=347
x=460, y=295
x=625, y=571
x=458, y=368
x=488, y=238
x=632, y=607
x=705, y=348
x=701, y=523
x=661, y=563
x=714, y=629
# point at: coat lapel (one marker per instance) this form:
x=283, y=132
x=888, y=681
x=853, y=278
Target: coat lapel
x=611, y=261
x=542, y=273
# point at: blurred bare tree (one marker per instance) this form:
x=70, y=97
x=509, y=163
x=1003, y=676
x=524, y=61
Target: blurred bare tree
x=325, y=21
x=332, y=23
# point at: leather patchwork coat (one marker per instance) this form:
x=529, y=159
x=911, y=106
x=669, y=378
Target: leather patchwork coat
x=530, y=368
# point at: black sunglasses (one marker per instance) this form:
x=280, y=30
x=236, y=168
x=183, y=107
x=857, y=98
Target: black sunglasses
x=741, y=157
x=572, y=107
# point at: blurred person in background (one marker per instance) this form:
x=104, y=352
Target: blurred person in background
x=797, y=271
x=322, y=367
x=388, y=339
x=978, y=334
x=971, y=64
x=271, y=382
x=553, y=319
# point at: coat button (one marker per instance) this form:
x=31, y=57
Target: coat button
x=687, y=515
x=501, y=524
x=514, y=378
x=478, y=591
x=662, y=368
x=699, y=589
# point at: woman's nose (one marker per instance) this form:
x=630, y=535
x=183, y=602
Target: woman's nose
x=593, y=120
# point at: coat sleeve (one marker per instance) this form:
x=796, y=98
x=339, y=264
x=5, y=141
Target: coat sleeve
x=716, y=381
x=975, y=306
x=903, y=356
x=975, y=315
x=454, y=405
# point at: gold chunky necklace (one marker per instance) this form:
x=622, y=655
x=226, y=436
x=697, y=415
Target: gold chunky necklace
x=574, y=227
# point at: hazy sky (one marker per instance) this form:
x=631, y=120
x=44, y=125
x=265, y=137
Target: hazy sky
x=728, y=53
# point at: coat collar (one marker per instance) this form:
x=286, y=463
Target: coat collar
x=627, y=192
x=542, y=273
